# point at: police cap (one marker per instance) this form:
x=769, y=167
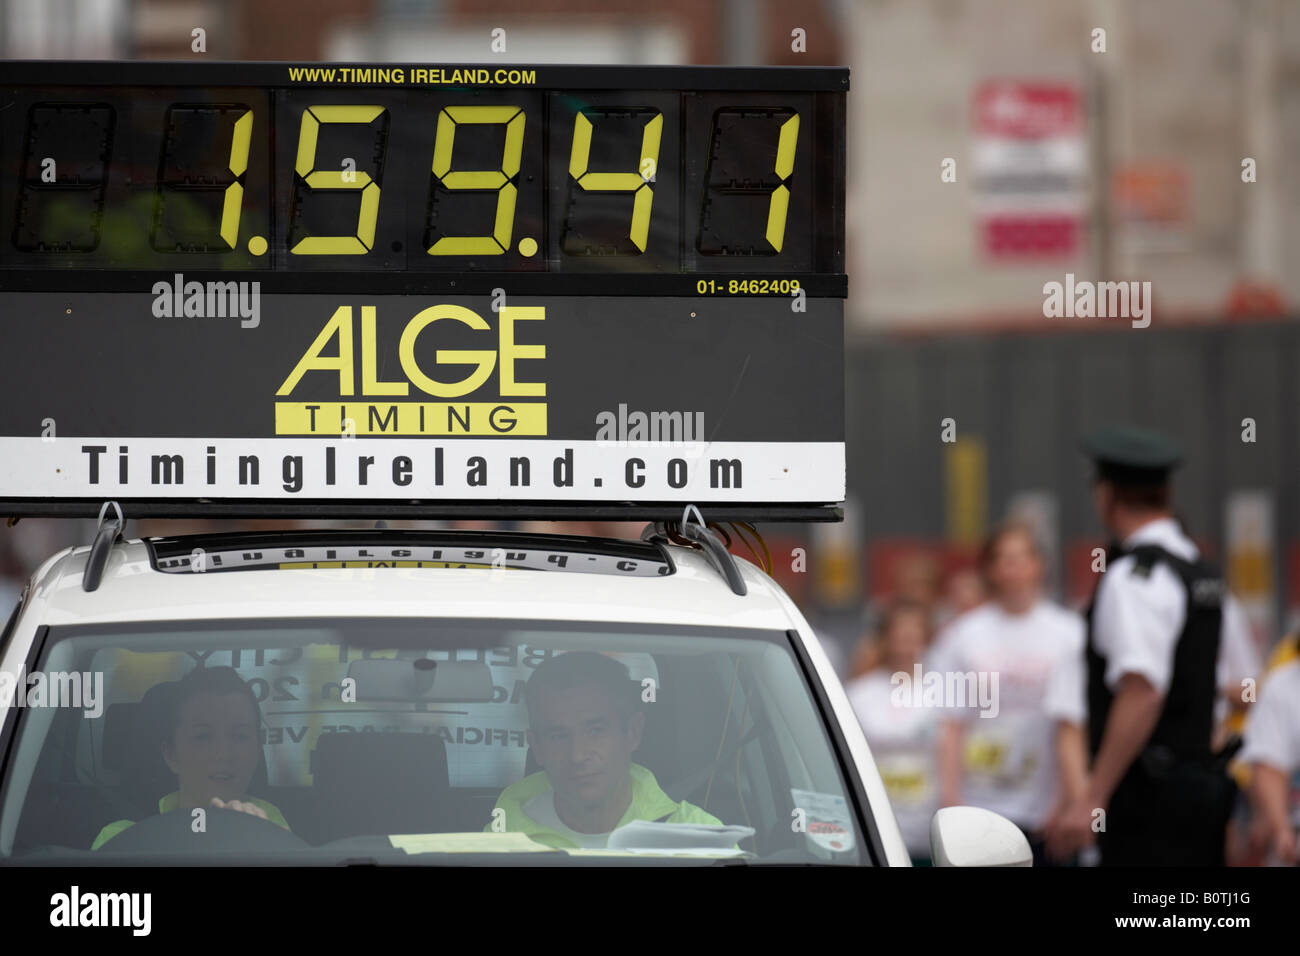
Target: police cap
x=1129, y=455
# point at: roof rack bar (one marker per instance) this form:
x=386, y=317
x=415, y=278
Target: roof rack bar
x=108, y=534
x=699, y=533
x=718, y=555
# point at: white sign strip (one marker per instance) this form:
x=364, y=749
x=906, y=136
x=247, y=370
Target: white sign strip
x=420, y=469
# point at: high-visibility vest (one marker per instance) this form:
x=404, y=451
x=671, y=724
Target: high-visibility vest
x=649, y=802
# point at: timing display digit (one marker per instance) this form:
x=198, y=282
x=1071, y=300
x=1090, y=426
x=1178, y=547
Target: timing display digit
x=589, y=171
x=320, y=185
x=591, y=222
x=200, y=192
x=495, y=184
x=746, y=196
x=65, y=173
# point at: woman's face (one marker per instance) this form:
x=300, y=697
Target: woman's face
x=905, y=639
x=1016, y=571
x=214, y=751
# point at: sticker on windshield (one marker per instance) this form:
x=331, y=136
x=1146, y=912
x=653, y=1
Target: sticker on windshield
x=826, y=819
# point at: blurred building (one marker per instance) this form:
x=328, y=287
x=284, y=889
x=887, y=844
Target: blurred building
x=1185, y=90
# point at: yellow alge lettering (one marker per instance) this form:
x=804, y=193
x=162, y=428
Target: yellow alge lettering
x=370, y=384
x=510, y=351
x=485, y=359
x=340, y=325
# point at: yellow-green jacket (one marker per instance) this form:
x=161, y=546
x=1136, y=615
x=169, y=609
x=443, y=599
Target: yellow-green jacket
x=649, y=802
x=169, y=803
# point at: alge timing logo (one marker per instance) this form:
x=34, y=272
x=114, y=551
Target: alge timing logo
x=353, y=341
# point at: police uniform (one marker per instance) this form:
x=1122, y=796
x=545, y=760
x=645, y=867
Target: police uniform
x=1158, y=612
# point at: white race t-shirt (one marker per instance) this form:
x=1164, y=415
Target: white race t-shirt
x=1010, y=759
x=1273, y=723
x=1066, y=698
x=542, y=809
x=903, y=741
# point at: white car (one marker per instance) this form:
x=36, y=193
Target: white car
x=391, y=671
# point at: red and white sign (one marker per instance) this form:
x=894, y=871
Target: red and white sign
x=1030, y=168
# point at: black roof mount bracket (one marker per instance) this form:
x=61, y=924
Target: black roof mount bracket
x=107, y=535
x=699, y=534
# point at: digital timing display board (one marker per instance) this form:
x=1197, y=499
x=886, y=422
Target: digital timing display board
x=252, y=288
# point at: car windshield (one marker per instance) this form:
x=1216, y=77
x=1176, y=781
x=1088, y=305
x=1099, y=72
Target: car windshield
x=422, y=741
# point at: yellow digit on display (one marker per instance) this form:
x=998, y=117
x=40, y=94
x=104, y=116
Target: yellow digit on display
x=234, y=200
x=780, y=202
x=181, y=222
x=621, y=182
x=730, y=184
x=312, y=119
x=498, y=179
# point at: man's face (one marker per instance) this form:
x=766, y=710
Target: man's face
x=579, y=740
x=214, y=750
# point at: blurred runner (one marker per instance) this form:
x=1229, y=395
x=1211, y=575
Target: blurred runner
x=964, y=591
x=1245, y=826
x=902, y=737
x=1272, y=751
x=1003, y=758
x=1066, y=705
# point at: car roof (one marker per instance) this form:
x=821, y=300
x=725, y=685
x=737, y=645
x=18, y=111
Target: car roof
x=133, y=588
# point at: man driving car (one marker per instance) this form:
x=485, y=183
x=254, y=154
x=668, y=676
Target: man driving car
x=585, y=723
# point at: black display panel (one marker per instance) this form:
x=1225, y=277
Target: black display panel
x=270, y=168
x=133, y=178
x=264, y=288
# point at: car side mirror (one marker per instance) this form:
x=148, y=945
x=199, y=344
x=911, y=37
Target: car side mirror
x=971, y=836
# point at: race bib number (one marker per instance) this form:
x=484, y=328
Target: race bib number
x=1000, y=760
x=907, y=778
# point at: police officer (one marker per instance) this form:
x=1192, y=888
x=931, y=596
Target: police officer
x=1155, y=658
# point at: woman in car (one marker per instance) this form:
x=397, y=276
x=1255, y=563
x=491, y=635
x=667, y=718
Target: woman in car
x=210, y=740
